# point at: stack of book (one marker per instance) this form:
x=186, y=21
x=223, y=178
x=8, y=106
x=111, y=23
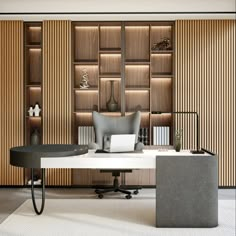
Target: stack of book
x=144, y=136
x=161, y=135
x=86, y=135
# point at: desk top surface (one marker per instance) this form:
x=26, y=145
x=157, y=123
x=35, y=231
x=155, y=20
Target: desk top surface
x=30, y=156
x=78, y=156
x=92, y=160
x=145, y=153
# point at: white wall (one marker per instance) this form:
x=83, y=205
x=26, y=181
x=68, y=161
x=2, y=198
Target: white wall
x=117, y=6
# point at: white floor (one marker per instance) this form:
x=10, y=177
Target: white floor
x=110, y=216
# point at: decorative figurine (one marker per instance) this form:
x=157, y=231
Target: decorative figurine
x=31, y=111
x=36, y=109
x=84, y=82
x=162, y=45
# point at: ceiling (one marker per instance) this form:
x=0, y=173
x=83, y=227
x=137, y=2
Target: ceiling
x=117, y=10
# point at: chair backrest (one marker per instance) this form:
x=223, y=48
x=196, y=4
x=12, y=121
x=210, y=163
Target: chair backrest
x=115, y=125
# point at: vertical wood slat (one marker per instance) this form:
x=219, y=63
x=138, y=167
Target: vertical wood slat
x=205, y=82
x=11, y=98
x=57, y=91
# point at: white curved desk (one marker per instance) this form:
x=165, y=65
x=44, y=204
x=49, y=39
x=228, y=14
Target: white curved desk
x=92, y=160
x=187, y=184
x=186, y=190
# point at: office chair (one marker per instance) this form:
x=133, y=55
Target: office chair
x=105, y=125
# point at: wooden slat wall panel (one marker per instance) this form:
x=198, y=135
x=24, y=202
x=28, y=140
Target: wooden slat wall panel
x=57, y=91
x=11, y=98
x=205, y=82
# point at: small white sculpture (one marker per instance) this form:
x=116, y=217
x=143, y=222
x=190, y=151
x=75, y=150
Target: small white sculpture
x=36, y=109
x=84, y=82
x=31, y=111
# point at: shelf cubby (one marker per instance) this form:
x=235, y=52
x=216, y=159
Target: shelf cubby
x=82, y=119
x=160, y=32
x=161, y=99
x=86, y=43
x=105, y=93
x=110, y=64
x=33, y=65
x=138, y=99
x=137, y=76
x=92, y=71
x=32, y=124
x=110, y=37
x=86, y=100
x=33, y=96
x=33, y=34
x=162, y=64
x=137, y=42
x=162, y=120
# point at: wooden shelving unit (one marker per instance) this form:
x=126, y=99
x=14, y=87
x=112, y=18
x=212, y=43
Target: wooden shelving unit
x=162, y=75
x=143, y=78
x=33, y=81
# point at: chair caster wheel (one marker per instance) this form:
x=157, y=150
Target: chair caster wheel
x=128, y=196
x=100, y=196
x=136, y=192
x=96, y=191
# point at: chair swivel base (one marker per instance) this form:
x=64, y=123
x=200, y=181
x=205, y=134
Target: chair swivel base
x=117, y=188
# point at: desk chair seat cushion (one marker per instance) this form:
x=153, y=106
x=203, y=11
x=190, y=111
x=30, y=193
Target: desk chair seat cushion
x=105, y=125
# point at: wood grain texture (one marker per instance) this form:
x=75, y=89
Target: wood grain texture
x=110, y=64
x=33, y=96
x=158, y=33
x=162, y=64
x=137, y=100
x=57, y=91
x=86, y=43
x=86, y=100
x=137, y=76
x=34, y=34
x=34, y=68
x=11, y=98
x=105, y=93
x=137, y=43
x=92, y=71
x=205, y=82
x=161, y=95
x=110, y=37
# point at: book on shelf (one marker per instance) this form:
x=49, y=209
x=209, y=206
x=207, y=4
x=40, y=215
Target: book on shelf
x=161, y=135
x=86, y=135
x=143, y=136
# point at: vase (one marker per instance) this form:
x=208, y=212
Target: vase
x=177, y=144
x=35, y=138
x=112, y=104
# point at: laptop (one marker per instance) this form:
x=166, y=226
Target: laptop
x=119, y=143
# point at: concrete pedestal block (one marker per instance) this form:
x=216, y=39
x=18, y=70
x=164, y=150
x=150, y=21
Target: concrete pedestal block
x=187, y=191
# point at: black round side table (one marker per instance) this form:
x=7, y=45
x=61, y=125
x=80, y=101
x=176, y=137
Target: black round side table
x=30, y=157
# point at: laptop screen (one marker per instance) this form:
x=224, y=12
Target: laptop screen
x=119, y=143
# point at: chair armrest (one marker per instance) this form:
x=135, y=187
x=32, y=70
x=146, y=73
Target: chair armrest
x=93, y=146
x=139, y=146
